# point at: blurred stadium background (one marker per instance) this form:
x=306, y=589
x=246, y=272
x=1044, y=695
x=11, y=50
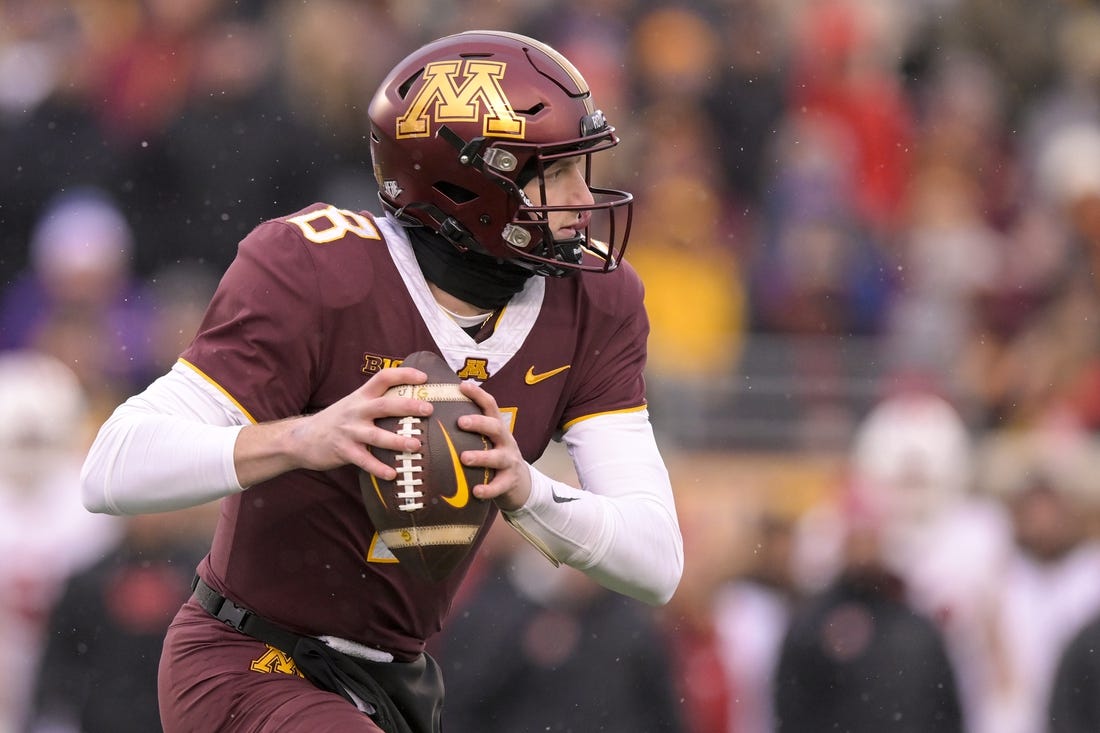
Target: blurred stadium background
x=869, y=232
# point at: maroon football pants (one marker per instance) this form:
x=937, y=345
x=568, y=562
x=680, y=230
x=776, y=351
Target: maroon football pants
x=213, y=679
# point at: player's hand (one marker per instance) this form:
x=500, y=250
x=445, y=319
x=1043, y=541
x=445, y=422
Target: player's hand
x=341, y=433
x=511, y=484
x=338, y=435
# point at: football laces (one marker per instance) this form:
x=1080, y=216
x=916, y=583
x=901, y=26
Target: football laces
x=408, y=469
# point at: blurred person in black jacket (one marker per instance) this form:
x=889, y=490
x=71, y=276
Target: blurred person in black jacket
x=1074, y=704
x=859, y=658
x=99, y=670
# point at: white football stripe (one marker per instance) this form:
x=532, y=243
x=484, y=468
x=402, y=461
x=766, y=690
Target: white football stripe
x=429, y=392
x=443, y=534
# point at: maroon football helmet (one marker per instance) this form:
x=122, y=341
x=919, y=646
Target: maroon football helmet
x=458, y=128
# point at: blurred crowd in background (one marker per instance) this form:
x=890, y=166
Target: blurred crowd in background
x=868, y=231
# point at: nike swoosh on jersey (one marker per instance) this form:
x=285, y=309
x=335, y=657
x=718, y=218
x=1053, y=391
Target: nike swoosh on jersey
x=462, y=489
x=531, y=378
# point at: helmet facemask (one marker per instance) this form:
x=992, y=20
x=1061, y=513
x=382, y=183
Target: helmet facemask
x=599, y=246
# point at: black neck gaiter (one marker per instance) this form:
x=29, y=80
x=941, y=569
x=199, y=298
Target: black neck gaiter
x=474, y=278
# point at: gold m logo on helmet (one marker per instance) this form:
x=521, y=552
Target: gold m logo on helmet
x=443, y=99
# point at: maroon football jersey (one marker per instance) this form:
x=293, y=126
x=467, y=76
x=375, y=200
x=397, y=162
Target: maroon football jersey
x=312, y=306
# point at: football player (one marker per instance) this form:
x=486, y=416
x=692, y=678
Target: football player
x=493, y=249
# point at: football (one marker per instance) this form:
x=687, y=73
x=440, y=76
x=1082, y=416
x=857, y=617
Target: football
x=427, y=516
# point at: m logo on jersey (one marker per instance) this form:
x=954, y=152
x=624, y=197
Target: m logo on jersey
x=474, y=368
x=443, y=98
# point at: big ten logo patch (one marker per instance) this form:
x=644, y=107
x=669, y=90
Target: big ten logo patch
x=274, y=661
x=374, y=363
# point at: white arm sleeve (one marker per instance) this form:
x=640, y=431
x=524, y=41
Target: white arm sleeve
x=621, y=529
x=170, y=447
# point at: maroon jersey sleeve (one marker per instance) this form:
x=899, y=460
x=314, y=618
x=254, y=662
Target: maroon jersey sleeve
x=263, y=336
x=259, y=339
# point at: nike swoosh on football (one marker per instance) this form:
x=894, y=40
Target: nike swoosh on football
x=462, y=489
x=562, y=499
x=531, y=378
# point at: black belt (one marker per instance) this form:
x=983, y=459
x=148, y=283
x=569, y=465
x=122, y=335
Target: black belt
x=241, y=619
x=407, y=698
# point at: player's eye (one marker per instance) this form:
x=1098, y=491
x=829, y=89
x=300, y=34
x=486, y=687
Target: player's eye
x=562, y=167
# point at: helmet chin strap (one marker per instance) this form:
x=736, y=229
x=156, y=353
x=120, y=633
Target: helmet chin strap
x=564, y=250
x=449, y=228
